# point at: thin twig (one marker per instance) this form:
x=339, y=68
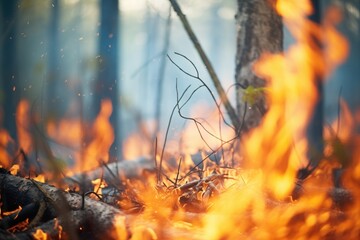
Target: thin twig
x=116, y=182
x=230, y=110
x=193, y=119
x=166, y=135
x=208, y=156
x=338, y=112
x=155, y=154
x=197, y=77
x=177, y=173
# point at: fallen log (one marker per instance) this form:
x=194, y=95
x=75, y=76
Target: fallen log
x=79, y=216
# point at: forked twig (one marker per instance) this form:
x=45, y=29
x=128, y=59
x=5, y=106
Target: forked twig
x=197, y=123
x=166, y=136
x=197, y=77
x=203, y=84
x=230, y=110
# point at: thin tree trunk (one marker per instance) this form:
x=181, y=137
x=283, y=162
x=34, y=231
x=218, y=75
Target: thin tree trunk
x=315, y=126
x=260, y=30
x=107, y=84
x=10, y=89
x=53, y=103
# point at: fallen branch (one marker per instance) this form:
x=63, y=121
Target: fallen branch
x=77, y=215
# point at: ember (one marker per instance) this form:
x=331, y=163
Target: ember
x=215, y=181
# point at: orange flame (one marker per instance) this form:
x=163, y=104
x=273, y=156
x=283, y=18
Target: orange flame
x=14, y=169
x=103, y=136
x=40, y=178
x=98, y=184
x=5, y=141
x=66, y=131
x=71, y=132
x=135, y=146
x=276, y=149
x=292, y=94
x=23, y=125
x=40, y=235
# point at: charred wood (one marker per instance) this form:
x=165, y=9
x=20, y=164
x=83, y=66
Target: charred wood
x=78, y=215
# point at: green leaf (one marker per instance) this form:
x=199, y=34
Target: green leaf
x=252, y=94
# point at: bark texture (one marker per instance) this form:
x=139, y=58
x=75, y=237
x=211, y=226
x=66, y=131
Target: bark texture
x=78, y=216
x=259, y=30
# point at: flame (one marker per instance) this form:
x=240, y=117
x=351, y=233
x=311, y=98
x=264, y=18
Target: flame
x=17, y=211
x=277, y=148
x=5, y=142
x=136, y=146
x=40, y=235
x=23, y=125
x=71, y=132
x=103, y=136
x=120, y=227
x=142, y=232
x=98, y=184
x=292, y=93
x=66, y=131
x=40, y=178
x=14, y=169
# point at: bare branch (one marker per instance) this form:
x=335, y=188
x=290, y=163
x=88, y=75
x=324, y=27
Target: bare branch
x=230, y=110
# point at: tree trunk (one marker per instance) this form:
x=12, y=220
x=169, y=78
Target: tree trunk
x=315, y=126
x=80, y=216
x=260, y=30
x=10, y=89
x=107, y=83
x=53, y=88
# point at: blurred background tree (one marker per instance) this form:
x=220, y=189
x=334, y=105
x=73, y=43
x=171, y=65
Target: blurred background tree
x=107, y=83
x=10, y=91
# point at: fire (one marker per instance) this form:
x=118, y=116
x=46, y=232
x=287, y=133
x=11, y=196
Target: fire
x=23, y=125
x=98, y=184
x=292, y=93
x=5, y=141
x=120, y=229
x=40, y=178
x=136, y=146
x=23, y=132
x=71, y=133
x=12, y=212
x=259, y=208
x=14, y=169
x=40, y=235
x=103, y=136
x=66, y=131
